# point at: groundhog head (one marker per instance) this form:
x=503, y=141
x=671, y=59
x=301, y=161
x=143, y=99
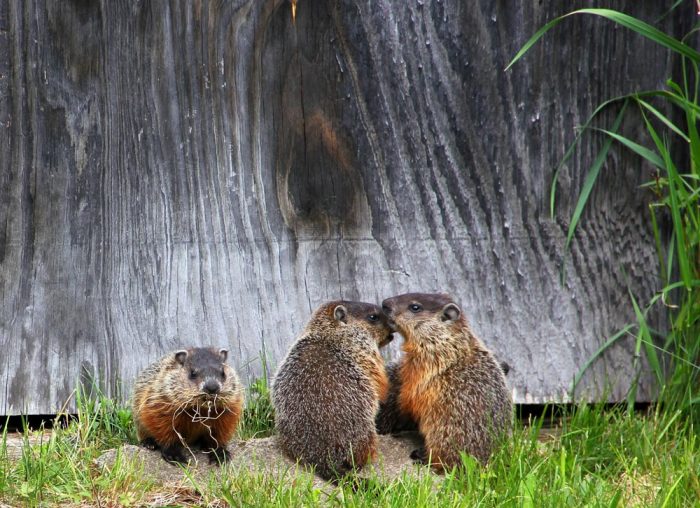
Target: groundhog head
x=204, y=374
x=427, y=321
x=356, y=315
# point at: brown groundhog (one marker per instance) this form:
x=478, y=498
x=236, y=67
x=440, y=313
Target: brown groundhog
x=449, y=382
x=327, y=390
x=190, y=397
x=390, y=419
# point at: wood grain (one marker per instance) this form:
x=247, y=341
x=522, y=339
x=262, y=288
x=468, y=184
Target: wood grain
x=190, y=173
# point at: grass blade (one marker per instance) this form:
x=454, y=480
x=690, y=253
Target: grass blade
x=645, y=30
x=645, y=337
x=572, y=147
x=674, y=203
x=625, y=20
x=612, y=340
x=531, y=42
x=663, y=119
x=670, y=492
x=673, y=190
x=640, y=150
x=657, y=243
x=591, y=178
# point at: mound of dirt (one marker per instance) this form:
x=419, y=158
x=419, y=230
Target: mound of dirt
x=262, y=455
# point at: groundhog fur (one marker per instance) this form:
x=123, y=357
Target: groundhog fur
x=448, y=381
x=189, y=397
x=390, y=419
x=327, y=390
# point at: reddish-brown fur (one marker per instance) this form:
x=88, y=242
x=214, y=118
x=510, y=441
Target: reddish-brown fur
x=168, y=427
x=450, y=384
x=171, y=410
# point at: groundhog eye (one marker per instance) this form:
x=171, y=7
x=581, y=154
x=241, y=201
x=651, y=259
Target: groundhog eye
x=373, y=317
x=414, y=307
x=193, y=374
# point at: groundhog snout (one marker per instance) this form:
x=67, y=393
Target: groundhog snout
x=211, y=386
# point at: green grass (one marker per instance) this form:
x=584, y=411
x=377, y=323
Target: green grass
x=594, y=457
x=669, y=146
x=258, y=415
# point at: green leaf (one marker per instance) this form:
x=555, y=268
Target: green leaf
x=671, y=490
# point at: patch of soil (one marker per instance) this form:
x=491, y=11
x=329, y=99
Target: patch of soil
x=263, y=455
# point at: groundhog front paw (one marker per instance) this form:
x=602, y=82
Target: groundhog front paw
x=219, y=455
x=149, y=443
x=419, y=456
x=174, y=454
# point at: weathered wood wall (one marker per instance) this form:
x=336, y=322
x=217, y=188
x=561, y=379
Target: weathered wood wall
x=208, y=172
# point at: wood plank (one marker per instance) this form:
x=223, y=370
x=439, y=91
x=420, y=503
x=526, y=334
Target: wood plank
x=182, y=173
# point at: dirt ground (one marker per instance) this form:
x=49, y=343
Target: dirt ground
x=259, y=454
x=263, y=455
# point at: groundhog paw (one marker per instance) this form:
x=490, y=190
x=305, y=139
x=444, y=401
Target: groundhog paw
x=149, y=443
x=419, y=456
x=219, y=455
x=174, y=454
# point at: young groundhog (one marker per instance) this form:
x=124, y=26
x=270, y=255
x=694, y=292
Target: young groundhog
x=190, y=397
x=390, y=419
x=449, y=382
x=327, y=390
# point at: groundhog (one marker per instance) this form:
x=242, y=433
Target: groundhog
x=448, y=381
x=390, y=419
x=190, y=397
x=327, y=390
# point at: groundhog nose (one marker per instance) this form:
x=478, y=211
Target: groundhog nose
x=386, y=309
x=211, y=387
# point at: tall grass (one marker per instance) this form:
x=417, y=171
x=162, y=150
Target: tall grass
x=672, y=147
x=258, y=415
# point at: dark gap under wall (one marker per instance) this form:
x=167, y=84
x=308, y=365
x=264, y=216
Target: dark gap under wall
x=552, y=413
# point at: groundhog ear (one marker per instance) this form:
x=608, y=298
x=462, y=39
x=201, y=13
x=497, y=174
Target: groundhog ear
x=340, y=313
x=223, y=353
x=450, y=312
x=181, y=356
